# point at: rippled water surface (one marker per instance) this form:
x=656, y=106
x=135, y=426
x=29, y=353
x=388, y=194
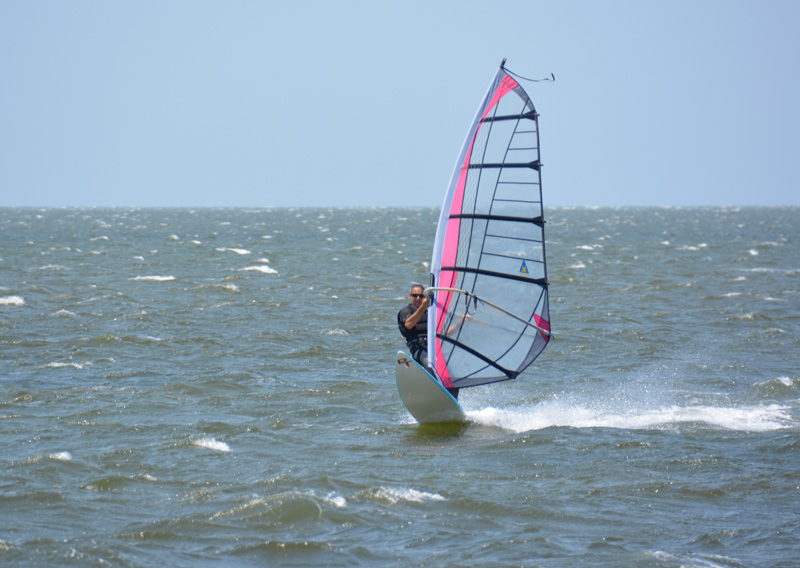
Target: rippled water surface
x=214, y=387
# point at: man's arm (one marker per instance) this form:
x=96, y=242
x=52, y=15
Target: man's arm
x=414, y=318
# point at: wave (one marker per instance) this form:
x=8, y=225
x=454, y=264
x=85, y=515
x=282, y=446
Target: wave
x=12, y=301
x=264, y=269
x=211, y=444
x=394, y=495
x=61, y=365
x=287, y=506
x=762, y=418
x=155, y=278
x=240, y=251
x=228, y=287
x=778, y=387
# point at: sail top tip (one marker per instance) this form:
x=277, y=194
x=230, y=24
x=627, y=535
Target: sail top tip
x=503, y=63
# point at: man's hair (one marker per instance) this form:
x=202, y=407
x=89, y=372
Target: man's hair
x=416, y=286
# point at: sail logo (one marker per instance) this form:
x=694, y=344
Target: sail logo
x=523, y=269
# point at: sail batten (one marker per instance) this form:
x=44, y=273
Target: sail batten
x=490, y=248
x=479, y=355
x=531, y=165
x=489, y=217
x=529, y=116
x=471, y=270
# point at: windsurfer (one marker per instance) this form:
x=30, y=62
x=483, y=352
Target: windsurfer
x=413, y=323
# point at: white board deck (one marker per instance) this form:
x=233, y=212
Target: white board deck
x=425, y=397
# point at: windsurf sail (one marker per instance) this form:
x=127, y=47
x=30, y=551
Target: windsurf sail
x=489, y=318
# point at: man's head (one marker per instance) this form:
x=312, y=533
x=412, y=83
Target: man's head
x=416, y=294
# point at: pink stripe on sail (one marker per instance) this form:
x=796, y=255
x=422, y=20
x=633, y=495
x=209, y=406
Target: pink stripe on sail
x=544, y=324
x=450, y=245
x=506, y=85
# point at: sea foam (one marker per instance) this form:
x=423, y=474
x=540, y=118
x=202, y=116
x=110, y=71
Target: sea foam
x=211, y=444
x=262, y=269
x=560, y=414
x=155, y=278
x=395, y=495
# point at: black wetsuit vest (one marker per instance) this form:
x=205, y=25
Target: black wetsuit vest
x=416, y=337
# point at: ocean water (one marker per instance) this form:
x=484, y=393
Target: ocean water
x=215, y=387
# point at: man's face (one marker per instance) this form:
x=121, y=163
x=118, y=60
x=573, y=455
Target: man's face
x=416, y=296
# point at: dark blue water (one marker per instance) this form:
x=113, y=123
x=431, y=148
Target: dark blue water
x=214, y=387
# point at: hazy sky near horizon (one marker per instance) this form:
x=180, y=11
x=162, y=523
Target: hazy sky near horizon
x=316, y=103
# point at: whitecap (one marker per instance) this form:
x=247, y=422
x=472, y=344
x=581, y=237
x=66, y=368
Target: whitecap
x=61, y=365
x=577, y=266
x=155, y=278
x=60, y=456
x=64, y=314
x=263, y=269
x=12, y=301
x=335, y=500
x=337, y=332
x=753, y=252
x=779, y=382
x=395, y=495
x=212, y=444
x=240, y=251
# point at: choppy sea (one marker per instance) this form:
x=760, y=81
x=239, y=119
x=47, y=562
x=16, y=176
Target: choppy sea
x=215, y=388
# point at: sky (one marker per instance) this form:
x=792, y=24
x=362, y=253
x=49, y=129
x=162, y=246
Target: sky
x=364, y=103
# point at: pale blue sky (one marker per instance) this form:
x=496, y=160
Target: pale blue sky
x=244, y=103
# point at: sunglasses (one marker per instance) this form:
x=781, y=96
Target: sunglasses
x=417, y=295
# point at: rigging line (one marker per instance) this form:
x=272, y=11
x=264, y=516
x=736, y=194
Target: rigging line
x=550, y=78
x=488, y=303
x=514, y=238
x=473, y=319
